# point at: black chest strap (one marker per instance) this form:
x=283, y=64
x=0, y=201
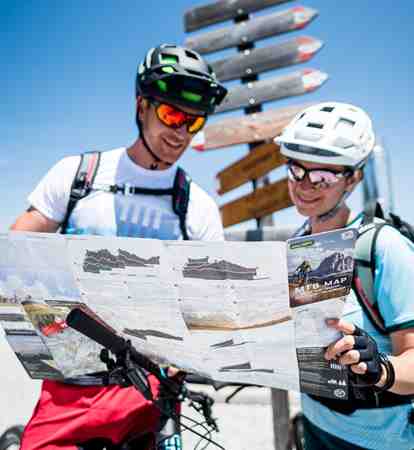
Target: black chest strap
x=83, y=185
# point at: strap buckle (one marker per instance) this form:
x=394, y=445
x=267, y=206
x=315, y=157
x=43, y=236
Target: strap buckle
x=128, y=189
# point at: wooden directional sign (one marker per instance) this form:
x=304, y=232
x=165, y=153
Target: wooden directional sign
x=258, y=92
x=252, y=62
x=241, y=130
x=252, y=30
x=256, y=125
x=257, y=163
x=260, y=203
x=221, y=10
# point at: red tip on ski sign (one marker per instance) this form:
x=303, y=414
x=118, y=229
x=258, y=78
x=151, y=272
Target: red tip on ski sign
x=302, y=16
x=198, y=141
x=313, y=78
x=308, y=46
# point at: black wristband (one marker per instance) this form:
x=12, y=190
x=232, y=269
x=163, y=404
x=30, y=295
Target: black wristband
x=390, y=374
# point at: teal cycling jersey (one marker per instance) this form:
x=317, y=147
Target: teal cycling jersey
x=390, y=428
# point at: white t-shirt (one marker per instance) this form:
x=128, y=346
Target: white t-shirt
x=105, y=213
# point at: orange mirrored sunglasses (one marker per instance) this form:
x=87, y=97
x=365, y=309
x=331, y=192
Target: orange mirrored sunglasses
x=175, y=118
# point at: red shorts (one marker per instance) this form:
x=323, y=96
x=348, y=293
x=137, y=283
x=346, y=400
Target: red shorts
x=66, y=415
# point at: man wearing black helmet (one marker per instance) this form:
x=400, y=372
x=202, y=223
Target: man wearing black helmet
x=138, y=192
x=175, y=91
x=179, y=77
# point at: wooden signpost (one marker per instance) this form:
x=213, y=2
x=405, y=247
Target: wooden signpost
x=259, y=92
x=260, y=161
x=252, y=128
x=252, y=30
x=222, y=10
x=257, y=127
x=260, y=60
x=261, y=202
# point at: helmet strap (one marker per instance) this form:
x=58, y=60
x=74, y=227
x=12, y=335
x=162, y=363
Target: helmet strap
x=157, y=160
x=306, y=228
x=334, y=211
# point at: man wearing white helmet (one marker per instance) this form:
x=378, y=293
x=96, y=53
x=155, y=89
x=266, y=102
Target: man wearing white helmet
x=327, y=146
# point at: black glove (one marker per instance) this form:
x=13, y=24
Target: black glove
x=368, y=353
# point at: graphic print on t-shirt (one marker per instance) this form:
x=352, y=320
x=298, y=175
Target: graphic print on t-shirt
x=141, y=219
x=128, y=216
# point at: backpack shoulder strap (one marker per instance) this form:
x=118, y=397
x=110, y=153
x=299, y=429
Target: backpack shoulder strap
x=372, y=211
x=82, y=183
x=364, y=271
x=181, y=198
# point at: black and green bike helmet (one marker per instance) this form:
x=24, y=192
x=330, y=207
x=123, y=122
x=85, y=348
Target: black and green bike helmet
x=180, y=76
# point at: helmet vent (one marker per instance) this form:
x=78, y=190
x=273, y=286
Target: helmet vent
x=191, y=55
x=343, y=125
x=167, y=58
x=297, y=148
x=327, y=109
x=315, y=125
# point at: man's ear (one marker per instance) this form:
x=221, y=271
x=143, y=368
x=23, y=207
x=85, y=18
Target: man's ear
x=354, y=179
x=142, y=105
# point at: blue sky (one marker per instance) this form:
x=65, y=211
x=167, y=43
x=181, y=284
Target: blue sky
x=68, y=72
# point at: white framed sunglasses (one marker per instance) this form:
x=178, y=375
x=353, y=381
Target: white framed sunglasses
x=321, y=178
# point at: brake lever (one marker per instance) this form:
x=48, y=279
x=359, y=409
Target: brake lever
x=203, y=402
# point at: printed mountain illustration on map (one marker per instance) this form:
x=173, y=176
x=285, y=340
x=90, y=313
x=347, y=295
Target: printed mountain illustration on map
x=104, y=260
x=217, y=270
x=334, y=263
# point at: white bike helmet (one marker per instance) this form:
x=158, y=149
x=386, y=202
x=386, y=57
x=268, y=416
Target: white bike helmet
x=329, y=133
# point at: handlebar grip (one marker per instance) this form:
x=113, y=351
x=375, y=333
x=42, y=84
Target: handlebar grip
x=90, y=327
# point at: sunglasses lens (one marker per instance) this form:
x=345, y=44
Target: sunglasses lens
x=174, y=118
x=322, y=177
x=196, y=124
x=318, y=177
x=170, y=116
x=296, y=173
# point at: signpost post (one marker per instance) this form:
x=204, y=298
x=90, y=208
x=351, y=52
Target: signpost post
x=257, y=127
x=376, y=184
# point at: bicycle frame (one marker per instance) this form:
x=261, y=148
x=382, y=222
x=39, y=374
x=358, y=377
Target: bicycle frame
x=131, y=368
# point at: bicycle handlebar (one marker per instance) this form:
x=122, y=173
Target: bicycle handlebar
x=95, y=330
x=90, y=327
